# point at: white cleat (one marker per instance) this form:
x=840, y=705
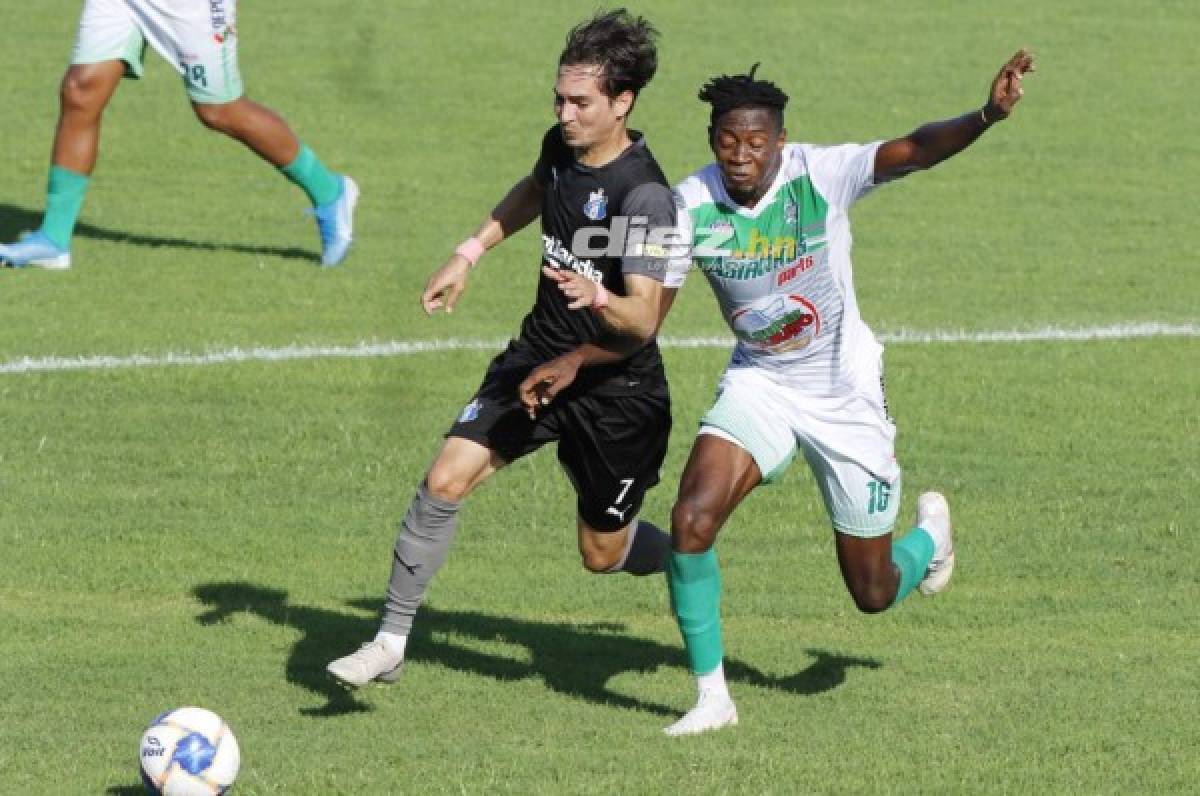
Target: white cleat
x=933, y=515
x=35, y=250
x=712, y=712
x=373, y=661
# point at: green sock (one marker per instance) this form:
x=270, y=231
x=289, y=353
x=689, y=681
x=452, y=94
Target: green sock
x=911, y=555
x=695, y=583
x=307, y=171
x=64, y=199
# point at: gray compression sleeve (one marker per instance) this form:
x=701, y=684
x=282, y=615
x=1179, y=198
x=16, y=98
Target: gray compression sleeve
x=421, y=547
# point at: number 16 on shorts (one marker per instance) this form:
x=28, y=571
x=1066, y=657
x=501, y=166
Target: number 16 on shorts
x=880, y=494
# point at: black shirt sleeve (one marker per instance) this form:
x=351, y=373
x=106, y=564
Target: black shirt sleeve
x=553, y=147
x=653, y=202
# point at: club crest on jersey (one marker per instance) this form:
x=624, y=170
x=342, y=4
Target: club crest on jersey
x=597, y=205
x=470, y=412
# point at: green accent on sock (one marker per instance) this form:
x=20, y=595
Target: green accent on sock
x=307, y=171
x=911, y=555
x=65, y=190
x=695, y=583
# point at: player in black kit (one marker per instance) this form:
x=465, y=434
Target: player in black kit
x=591, y=381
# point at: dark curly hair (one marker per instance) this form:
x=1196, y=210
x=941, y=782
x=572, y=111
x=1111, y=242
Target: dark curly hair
x=623, y=45
x=729, y=92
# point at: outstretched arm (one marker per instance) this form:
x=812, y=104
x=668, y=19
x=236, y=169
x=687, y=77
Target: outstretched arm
x=516, y=210
x=932, y=143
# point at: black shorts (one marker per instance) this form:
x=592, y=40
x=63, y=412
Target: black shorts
x=611, y=446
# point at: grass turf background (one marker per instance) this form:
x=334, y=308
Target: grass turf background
x=214, y=535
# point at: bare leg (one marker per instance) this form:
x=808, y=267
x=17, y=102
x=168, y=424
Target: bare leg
x=257, y=126
x=265, y=133
x=421, y=548
x=85, y=92
x=868, y=570
x=718, y=476
x=640, y=548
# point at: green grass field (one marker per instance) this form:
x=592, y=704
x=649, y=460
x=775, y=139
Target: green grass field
x=214, y=535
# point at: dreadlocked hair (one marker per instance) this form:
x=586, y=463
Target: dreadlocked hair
x=729, y=92
x=623, y=45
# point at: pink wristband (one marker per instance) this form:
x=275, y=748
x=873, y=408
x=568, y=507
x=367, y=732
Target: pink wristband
x=601, y=299
x=471, y=249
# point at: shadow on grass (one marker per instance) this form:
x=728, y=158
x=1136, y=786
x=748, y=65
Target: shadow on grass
x=14, y=220
x=576, y=660
x=126, y=790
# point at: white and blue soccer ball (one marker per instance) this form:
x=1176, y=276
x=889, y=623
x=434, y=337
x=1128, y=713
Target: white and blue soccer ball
x=189, y=752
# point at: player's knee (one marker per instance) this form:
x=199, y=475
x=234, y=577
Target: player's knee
x=447, y=486
x=599, y=562
x=79, y=93
x=600, y=552
x=693, y=526
x=872, y=597
x=215, y=117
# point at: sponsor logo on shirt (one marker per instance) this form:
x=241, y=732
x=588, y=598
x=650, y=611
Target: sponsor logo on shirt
x=761, y=254
x=556, y=254
x=778, y=323
x=794, y=270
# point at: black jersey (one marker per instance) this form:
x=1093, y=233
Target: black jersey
x=632, y=185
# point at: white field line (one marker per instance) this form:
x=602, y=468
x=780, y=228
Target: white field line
x=399, y=348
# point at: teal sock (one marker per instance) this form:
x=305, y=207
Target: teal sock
x=64, y=199
x=911, y=555
x=307, y=171
x=695, y=583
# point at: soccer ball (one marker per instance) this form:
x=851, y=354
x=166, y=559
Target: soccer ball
x=189, y=752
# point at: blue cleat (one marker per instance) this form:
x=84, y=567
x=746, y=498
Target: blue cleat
x=35, y=249
x=335, y=223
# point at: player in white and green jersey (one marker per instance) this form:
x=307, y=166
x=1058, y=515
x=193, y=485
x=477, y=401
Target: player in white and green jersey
x=769, y=227
x=199, y=39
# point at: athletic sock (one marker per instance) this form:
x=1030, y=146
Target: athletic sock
x=646, y=552
x=912, y=555
x=307, y=171
x=65, y=190
x=420, y=550
x=695, y=583
x=713, y=683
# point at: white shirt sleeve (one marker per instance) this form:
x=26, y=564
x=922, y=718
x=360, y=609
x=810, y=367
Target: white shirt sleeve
x=842, y=174
x=680, y=246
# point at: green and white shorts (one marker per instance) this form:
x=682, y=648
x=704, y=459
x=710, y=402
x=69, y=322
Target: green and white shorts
x=197, y=37
x=847, y=438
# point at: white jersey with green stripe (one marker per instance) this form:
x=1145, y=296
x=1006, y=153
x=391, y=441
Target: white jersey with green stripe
x=781, y=270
